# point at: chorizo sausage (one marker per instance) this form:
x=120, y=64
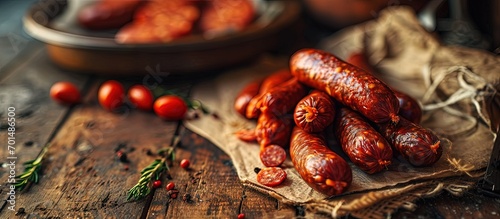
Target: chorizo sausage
x=269, y=82
x=322, y=169
x=272, y=155
x=246, y=94
x=364, y=145
x=220, y=16
x=271, y=176
x=160, y=21
x=107, y=14
x=272, y=129
x=314, y=112
x=350, y=85
x=418, y=145
x=282, y=99
x=409, y=108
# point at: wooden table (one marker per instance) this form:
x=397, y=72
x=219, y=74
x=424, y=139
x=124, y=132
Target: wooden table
x=82, y=176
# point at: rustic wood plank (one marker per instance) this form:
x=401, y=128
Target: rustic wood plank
x=213, y=185
x=83, y=176
x=26, y=87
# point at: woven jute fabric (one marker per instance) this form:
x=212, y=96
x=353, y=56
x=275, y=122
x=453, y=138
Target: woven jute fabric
x=408, y=59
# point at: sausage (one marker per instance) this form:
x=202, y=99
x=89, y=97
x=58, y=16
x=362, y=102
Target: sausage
x=246, y=94
x=314, y=112
x=247, y=135
x=364, y=145
x=269, y=82
x=272, y=155
x=272, y=129
x=282, y=99
x=271, y=176
x=160, y=21
x=409, y=108
x=108, y=14
x=350, y=85
x=321, y=168
x=221, y=16
x=418, y=145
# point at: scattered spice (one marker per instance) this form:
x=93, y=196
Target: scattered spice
x=186, y=197
x=125, y=167
x=173, y=196
x=156, y=184
x=170, y=186
x=20, y=211
x=122, y=156
x=185, y=163
x=29, y=143
x=256, y=170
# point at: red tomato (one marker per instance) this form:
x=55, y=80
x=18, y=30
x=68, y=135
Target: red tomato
x=141, y=97
x=111, y=95
x=65, y=93
x=170, y=107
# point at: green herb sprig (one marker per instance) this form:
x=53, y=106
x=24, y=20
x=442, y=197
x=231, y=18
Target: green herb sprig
x=31, y=171
x=152, y=172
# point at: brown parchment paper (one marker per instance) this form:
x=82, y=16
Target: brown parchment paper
x=401, y=50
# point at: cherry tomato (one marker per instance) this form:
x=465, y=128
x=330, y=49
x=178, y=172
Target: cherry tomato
x=185, y=163
x=65, y=92
x=170, y=107
x=141, y=97
x=111, y=95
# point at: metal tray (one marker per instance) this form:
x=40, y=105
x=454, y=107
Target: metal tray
x=96, y=52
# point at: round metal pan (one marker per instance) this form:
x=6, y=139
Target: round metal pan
x=75, y=49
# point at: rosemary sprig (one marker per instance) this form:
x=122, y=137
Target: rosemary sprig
x=31, y=171
x=152, y=172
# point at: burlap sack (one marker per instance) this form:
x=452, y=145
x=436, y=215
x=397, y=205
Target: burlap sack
x=403, y=52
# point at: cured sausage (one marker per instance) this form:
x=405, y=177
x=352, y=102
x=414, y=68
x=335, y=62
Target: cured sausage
x=272, y=155
x=350, y=85
x=246, y=94
x=282, y=99
x=322, y=169
x=272, y=129
x=418, y=145
x=409, y=108
x=220, y=16
x=108, y=14
x=314, y=112
x=160, y=21
x=269, y=82
x=366, y=147
x=271, y=176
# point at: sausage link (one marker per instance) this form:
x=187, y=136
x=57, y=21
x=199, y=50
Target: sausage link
x=409, y=108
x=350, y=85
x=314, y=112
x=365, y=147
x=321, y=168
x=418, y=145
x=107, y=14
x=282, y=99
x=273, y=130
x=269, y=82
x=246, y=94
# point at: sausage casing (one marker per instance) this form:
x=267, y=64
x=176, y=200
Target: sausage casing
x=314, y=112
x=282, y=99
x=245, y=96
x=321, y=168
x=418, y=145
x=364, y=145
x=409, y=108
x=269, y=82
x=273, y=130
x=350, y=85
